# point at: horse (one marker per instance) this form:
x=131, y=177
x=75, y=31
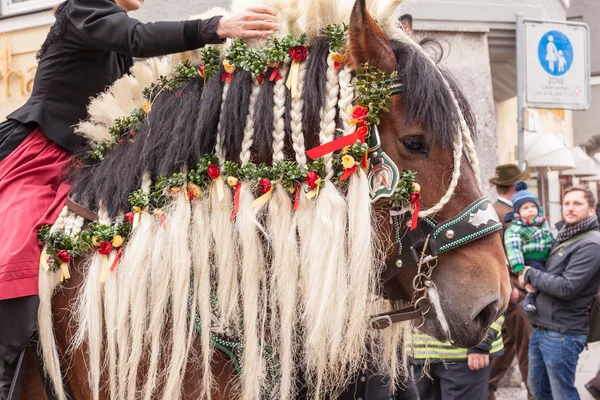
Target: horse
x=203, y=254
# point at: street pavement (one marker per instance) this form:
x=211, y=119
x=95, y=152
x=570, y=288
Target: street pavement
x=586, y=370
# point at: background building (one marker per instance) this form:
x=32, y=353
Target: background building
x=23, y=28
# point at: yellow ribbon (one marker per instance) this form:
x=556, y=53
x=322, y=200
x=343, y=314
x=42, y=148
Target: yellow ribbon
x=43, y=261
x=220, y=188
x=292, y=82
x=64, y=272
x=315, y=192
x=104, y=272
x=262, y=200
x=136, y=220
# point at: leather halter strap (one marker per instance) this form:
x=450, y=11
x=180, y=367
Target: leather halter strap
x=385, y=320
x=476, y=221
x=80, y=210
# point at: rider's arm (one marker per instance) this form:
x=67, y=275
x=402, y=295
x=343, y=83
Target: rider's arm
x=106, y=25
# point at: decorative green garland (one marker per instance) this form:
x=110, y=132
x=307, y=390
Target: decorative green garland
x=373, y=95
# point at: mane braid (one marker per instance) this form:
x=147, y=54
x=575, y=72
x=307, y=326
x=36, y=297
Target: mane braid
x=205, y=137
x=263, y=124
x=235, y=111
x=314, y=91
x=179, y=150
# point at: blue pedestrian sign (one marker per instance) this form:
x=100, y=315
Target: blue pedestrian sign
x=555, y=64
x=555, y=53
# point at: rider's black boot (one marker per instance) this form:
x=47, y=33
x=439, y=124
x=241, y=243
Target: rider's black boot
x=10, y=378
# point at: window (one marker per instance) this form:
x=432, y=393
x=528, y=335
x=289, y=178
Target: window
x=16, y=7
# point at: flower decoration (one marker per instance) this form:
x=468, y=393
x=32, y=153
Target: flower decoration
x=63, y=256
x=359, y=115
x=232, y=181
x=265, y=185
x=105, y=248
x=298, y=53
x=117, y=241
x=348, y=161
x=213, y=171
x=229, y=70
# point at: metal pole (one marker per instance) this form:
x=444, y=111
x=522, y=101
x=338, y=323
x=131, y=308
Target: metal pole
x=521, y=90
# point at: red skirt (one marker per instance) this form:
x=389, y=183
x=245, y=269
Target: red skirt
x=32, y=194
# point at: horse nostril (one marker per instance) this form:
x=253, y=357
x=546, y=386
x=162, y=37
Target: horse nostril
x=488, y=314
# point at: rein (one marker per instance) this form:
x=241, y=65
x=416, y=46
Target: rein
x=421, y=246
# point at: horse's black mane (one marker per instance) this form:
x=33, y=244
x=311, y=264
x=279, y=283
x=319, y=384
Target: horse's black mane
x=182, y=126
x=426, y=97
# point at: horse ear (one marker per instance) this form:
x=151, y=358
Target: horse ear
x=367, y=42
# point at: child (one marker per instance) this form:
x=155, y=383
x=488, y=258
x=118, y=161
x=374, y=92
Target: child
x=528, y=239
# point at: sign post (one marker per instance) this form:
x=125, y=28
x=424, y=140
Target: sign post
x=553, y=68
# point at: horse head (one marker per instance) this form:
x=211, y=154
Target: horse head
x=428, y=131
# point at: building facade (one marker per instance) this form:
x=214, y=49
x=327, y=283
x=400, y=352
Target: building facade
x=481, y=36
x=585, y=123
x=24, y=25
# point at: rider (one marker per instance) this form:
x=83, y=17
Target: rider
x=91, y=44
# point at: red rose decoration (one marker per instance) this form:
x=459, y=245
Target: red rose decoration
x=298, y=53
x=311, y=179
x=129, y=217
x=265, y=185
x=414, y=197
x=105, y=248
x=359, y=115
x=63, y=256
x=213, y=171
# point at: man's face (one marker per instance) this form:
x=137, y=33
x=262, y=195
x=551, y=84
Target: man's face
x=130, y=5
x=575, y=207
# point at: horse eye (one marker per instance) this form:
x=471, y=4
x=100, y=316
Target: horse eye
x=415, y=144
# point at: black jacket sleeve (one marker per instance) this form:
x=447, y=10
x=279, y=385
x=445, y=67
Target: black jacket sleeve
x=485, y=345
x=106, y=25
x=581, y=268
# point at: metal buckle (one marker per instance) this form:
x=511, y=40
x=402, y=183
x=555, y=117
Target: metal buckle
x=381, y=322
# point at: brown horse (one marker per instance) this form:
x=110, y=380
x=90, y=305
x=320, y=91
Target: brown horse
x=426, y=131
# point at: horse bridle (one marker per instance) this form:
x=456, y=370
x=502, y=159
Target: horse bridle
x=421, y=246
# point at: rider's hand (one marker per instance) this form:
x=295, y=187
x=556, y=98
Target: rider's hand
x=477, y=361
x=255, y=22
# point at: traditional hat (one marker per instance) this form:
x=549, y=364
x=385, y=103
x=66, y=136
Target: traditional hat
x=508, y=175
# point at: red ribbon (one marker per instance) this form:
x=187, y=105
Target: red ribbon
x=114, y=264
x=261, y=78
x=226, y=77
x=337, y=144
x=336, y=65
x=297, y=197
x=364, y=162
x=163, y=221
x=417, y=207
x=236, y=202
x=348, y=173
x=275, y=75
